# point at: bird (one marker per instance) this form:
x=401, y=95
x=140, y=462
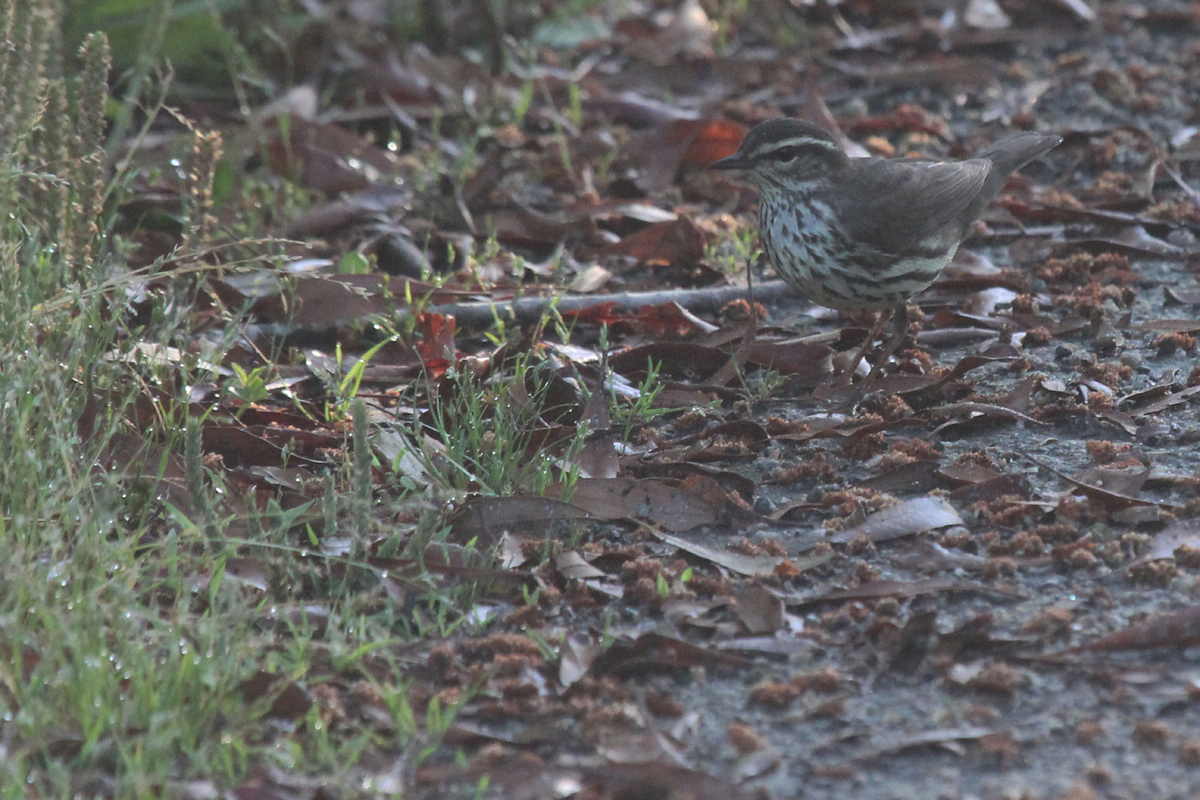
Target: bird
x=867, y=234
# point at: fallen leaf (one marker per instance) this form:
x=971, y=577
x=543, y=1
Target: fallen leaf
x=1180, y=629
x=739, y=563
x=677, y=506
x=572, y=566
x=759, y=610
x=904, y=519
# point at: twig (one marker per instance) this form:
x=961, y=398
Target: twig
x=1187, y=189
x=530, y=309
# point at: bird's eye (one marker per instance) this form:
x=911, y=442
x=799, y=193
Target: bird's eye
x=785, y=154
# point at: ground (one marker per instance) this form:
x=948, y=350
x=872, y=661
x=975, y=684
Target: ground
x=639, y=544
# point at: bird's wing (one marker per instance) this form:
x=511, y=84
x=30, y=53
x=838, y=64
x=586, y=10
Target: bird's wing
x=914, y=202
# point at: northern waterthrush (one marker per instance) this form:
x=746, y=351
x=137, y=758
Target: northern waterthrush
x=867, y=233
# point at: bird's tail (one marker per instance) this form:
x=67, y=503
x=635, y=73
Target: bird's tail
x=1013, y=152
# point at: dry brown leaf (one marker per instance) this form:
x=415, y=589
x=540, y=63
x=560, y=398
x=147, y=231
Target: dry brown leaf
x=572, y=566
x=759, y=610
x=1180, y=629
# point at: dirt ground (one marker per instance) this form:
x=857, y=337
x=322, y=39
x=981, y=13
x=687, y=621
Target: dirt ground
x=981, y=583
x=958, y=663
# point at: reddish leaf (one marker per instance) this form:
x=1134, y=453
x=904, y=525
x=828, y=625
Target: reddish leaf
x=436, y=345
x=665, y=321
x=714, y=139
x=598, y=314
x=696, y=142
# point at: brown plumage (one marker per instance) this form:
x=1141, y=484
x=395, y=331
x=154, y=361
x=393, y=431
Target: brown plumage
x=867, y=233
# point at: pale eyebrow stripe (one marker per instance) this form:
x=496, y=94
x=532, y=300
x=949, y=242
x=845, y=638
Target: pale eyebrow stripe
x=795, y=141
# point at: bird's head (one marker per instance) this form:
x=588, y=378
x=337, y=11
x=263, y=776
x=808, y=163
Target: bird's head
x=785, y=154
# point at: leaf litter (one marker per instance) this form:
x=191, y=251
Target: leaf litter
x=635, y=623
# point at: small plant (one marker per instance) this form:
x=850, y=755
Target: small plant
x=662, y=584
x=486, y=428
x=354, y=263
x=627, y=417
x=344, y=387
x=249, y=387
x=735, y=253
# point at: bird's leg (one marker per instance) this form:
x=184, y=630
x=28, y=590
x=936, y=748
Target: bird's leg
x=900, y=319
x=848, y=376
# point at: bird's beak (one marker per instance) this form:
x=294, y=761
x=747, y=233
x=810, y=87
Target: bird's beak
x=735, y=161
